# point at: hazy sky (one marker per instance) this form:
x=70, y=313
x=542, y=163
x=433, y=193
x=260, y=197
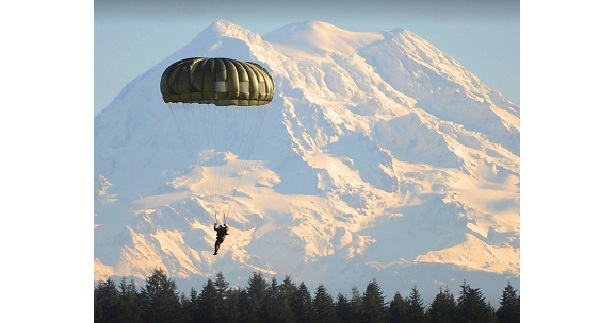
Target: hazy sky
x=132, y=36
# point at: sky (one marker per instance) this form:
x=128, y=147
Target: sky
x=47, y=136
x=132, y=36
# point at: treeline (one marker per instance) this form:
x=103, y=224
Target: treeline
x=261, y=301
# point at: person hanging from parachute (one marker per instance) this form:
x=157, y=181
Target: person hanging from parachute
x=218, y=104
x=222, y=231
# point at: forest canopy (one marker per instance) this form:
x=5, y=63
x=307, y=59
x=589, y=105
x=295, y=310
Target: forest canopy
x=264, y=300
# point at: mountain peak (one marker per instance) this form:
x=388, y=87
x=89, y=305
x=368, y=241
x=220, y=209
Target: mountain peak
x=314, y=25
x=321, y=35
x=225, y=35
x=224, y=28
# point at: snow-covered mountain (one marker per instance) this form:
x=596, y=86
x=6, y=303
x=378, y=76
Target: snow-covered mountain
x=380, y=157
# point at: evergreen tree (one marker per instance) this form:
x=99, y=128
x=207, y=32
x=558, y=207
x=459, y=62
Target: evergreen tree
x=192, y=306
x=416, y=310
x=275, y=307
x=106, y=302
x=222, y=288
x=129, y=303
x=267, y=309
x=288, y=287
x=324, y=306
x=471, y=306
x=491, y=313
x=443, y=308
x=232, y=306
x=373, y=303
x=510, y=306
x=257, y=290
x=246, y=307
x=160, y=298
x=343, y=308
x=185, y=315
x=221, y=284
x=302, y=307
x=285, y=294
x=208, y=304
x=398, y=309
x=356, y=305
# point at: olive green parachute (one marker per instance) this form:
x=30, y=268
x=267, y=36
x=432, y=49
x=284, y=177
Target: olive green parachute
x=218, y=105
x=220, y=81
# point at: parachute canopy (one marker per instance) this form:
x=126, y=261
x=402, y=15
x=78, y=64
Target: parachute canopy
x=220, y=81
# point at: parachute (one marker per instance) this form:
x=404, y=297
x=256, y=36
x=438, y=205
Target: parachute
x=219, y=106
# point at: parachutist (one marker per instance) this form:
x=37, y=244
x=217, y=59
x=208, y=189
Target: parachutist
x=219, y=104
x=221, y=233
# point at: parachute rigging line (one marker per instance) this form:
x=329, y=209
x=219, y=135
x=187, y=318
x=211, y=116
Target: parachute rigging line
x=245, y=163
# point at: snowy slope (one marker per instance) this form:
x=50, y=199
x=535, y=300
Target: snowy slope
x=381, y=157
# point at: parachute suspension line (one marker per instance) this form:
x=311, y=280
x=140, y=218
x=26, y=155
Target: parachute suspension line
x=226, y=137
x=240, y=127
x=209, y=124
x=229, y=139
x=179, y=112
x=220, y=137
x=209, y=133
x=232, y=135
x=249, y=143
x=203, y=139
x=187, y=115
x=211, y=139
x=193, y=117
x=217, y=128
